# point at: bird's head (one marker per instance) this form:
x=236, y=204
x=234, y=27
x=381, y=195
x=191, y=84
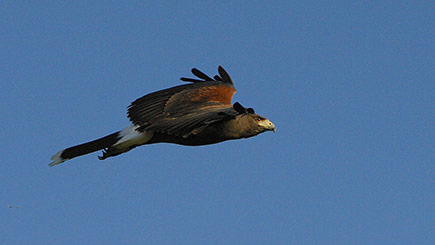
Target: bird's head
x=263, y=123
x=252, y=122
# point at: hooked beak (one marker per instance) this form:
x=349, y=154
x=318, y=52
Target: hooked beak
x=270, y=126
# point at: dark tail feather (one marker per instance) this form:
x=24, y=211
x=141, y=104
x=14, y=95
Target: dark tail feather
x=85, y=148
x=91, y=146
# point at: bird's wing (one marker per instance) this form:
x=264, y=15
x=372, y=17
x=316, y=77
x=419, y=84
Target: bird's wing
x=182, y=109
x=194, y=122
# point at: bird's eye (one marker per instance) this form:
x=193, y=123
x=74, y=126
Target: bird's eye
x=258, y=119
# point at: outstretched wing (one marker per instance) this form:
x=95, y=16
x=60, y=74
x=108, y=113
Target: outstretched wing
x=192, y=123
x=185, y=109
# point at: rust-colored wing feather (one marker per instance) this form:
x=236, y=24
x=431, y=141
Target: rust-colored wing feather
x=185, y=109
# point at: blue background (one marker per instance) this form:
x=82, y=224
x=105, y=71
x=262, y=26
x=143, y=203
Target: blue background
x=349, y=85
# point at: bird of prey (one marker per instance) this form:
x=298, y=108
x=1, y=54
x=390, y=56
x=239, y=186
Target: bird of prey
x=198, y=113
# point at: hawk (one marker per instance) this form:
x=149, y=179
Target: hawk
x=198, y=113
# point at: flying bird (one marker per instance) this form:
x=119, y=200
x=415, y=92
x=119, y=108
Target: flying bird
x=198, y=113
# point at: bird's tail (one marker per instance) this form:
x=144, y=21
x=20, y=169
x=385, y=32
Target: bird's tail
x=85, y=148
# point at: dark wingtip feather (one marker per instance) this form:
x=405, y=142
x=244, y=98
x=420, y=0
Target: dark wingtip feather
x=224, y=75
x=217, y=78
x=193, y=80
x=243, y=110
x=201, y=75
x=239, y=108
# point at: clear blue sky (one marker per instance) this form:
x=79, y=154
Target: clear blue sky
x=350, y=87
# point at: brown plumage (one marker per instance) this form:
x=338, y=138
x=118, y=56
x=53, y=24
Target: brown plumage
x=199, y=113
